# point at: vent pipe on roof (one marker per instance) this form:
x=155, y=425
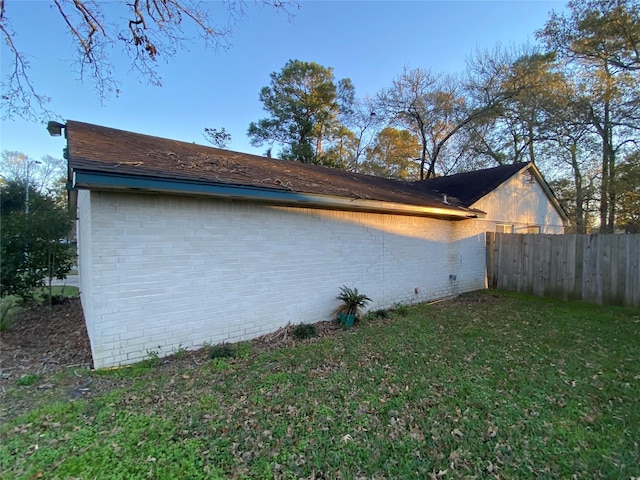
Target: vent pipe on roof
x=444, y=200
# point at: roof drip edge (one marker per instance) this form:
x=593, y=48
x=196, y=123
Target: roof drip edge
x=85, y=179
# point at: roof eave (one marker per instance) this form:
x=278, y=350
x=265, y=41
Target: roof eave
x=92, y=180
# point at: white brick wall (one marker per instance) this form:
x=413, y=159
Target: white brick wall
x=83, y=233
x=170, y=271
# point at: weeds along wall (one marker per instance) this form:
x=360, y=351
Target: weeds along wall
x=162, y=272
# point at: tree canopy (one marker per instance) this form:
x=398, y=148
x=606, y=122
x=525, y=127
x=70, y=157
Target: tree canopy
x=599, y=41
x=34, y=242
x=629, y=194
x=33, y=245
x=605, y=32
x=395, y=153
x=570, y=103
x=304, y=103
x=45, y=175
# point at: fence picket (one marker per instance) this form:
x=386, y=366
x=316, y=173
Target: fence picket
x=593, y=268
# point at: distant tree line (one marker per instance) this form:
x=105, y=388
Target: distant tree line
x=571, y=104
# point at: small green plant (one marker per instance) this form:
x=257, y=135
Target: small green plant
x=153, y=356
x=180, y=352
x=28, y=380
x=401, y=309
x=222, y=350
x=8, y=308
x=243, y=350
x=377, y=314
x=304, y=331
x=220, y=363
x=352, y=301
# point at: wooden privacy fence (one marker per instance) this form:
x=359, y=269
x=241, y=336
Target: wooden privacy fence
x=603, y=269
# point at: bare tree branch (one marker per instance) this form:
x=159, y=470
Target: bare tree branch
x=17, y=90
x=151, y=29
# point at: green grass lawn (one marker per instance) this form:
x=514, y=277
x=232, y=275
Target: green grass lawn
x=491, y=385
x=58, y=291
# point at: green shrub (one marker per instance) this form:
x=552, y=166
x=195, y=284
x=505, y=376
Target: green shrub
x=222, y=350
x=377, y=314
x=243, y=350
x=9, y=306
x=304, y=331
x=382, y=313
x=31, y=248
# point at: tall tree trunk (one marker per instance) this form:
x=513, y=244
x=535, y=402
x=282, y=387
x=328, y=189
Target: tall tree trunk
x=604, y=189
x=581, y=224
x=532, y=157
x=612, y=184
x=607, y=193
x=423, y=156
x=319, y=142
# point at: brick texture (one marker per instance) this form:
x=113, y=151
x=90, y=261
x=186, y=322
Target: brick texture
x=162, y=272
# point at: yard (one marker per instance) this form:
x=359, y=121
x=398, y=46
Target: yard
x=488, y=385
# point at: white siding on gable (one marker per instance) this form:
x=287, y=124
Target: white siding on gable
x=170, y=271
x=522, y=202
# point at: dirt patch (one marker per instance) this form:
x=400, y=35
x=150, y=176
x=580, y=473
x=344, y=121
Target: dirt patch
x=51, y=346
x=284, y=337
x=43, y=341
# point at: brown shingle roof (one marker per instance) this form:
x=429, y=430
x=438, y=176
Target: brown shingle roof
x=109, y=151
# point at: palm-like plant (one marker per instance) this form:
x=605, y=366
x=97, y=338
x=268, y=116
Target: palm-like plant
x=352, y=301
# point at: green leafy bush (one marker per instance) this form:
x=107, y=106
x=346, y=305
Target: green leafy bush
x=222, y=350
x=9, y=306
x=304, y=331
x=377, y=314
x=243, y=350
x=31, y=245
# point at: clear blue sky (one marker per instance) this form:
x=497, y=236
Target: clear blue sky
x=368, y=42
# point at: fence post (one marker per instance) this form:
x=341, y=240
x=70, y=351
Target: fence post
x=490, y=259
